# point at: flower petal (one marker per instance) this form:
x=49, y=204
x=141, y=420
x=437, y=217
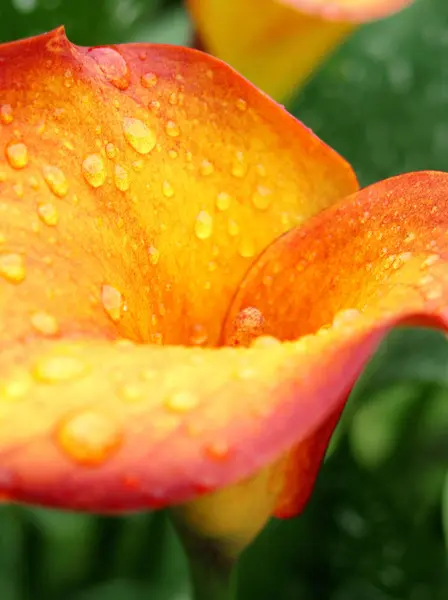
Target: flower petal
x=377, y=259
x=282, y=41
x=157, y=172
x=100, y=425
x=136, y=185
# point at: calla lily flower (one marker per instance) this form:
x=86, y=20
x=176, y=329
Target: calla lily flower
x=277, y=44
x=190, y=285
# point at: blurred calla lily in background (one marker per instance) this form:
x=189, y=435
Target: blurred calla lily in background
x=277, y=44
x=190, y=284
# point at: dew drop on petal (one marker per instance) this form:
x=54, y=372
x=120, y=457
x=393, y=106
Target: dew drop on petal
x=345, y=317
x=56, y=180
x=154, y=255
x=265, y=341
x=204, y=225
x=241, y=104
x=121, y=178
x=48, y=214
x=94, y=170
x=6, y=114
x=233, y=228
x=167, y=189
x=111, y=151
x=45, y=323
x=262, y=198
x=182, y=401
x=17, y=154
x=246, y=249
x=59, y=368
x=112, y=301
x=149, y=80
x=218, y=450
x=239, y=166
x=131, y=392
x=206, y=167
x=198, y=335
x=139, y=136
x=88, y=437
x=246, y=326
x=172, y=129
x=223, y=201
x=15, y=388
x=113, y=66
x=12, y=267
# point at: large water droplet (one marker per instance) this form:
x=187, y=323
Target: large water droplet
x=88, y=437
x=139, y=136
x=198, y=335
x=17, y=154
x=246, y=326
x=233, y=227
x=246, y=248
x=206, y=167
x=112, y=301
x=121, y=178
x=204, y=225
x=12, y=267
x=48, y=214
x=182, y=401
x=56, y=180
x=172, y=129
x=149, y=80
x=167, y=189
x=111, y=151
x=59, y=368
x=239, y=166
x=45, y=323
x=113, y=66
x=94, y=170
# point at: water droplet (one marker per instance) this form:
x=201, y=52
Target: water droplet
x=172, y=129
x=345, y=317
x=149, y=80
x=17, y=154
x=6, y=114
x=167, y=189
x=59, y=368
x=233, y=227
x=241, y=104
x=173, y=98
x=132, y=392
x=48, y=214
x=432, y=259
x=409, y=238
x=182, y=401
x=113, y=66
x=239, y=167
x=12, y=267
x=112, y=301
x=204, y=225
x=246, y=326
x=45, y=323
x=16, y=388
x=206, y=167
x=262, y=198
x=154, y=255
x=246, y=249
x=223, y=201
x=265, y=341
x=139, y=136
x=89, y=438
x=121, y=178
x=93, y=170
x=55, y=180
x=218, y=450
x=111, y=151
x=198, y=335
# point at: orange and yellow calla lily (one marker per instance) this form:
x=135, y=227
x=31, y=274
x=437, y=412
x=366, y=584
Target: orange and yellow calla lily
x=190, y=282
x=277, y=44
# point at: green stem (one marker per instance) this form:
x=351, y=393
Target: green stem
x=212, y=570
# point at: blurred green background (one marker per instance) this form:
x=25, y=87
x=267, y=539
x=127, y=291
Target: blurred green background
x=377, y=526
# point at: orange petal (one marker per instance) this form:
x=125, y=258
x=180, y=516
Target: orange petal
x=282, y=41
x=93, y=424
x=339, y=283
x=137, y=183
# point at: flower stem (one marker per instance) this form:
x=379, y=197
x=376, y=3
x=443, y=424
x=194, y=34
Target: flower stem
x=212, y=570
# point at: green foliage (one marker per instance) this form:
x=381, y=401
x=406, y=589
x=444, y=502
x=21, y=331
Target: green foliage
x=374, y=530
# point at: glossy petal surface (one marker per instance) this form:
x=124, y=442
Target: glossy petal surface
x=137, y=185
x=281, y=42
x=377, y=259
